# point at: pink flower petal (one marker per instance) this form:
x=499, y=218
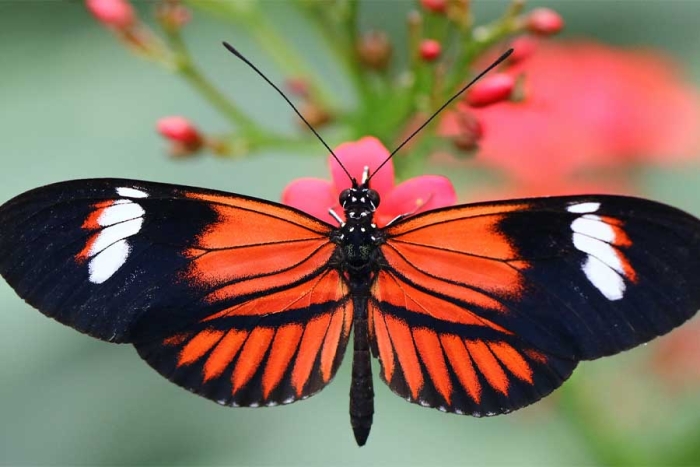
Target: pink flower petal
x=355, y=156
x=419, y=194
x=313, y=196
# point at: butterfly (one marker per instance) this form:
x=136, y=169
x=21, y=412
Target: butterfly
x=476, y=309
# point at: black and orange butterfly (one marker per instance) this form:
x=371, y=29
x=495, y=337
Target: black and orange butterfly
x=476, y=309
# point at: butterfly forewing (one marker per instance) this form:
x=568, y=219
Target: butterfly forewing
x=486, y=308
x=228, y=296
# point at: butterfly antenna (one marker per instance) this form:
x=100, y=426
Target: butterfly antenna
x=235, y=52
x=449, y=101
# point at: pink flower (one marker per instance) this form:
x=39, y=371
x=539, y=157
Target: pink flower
x=586, y=105
x=315, y=196
x=118, y=14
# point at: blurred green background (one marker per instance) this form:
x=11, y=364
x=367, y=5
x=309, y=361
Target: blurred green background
x=74, y=103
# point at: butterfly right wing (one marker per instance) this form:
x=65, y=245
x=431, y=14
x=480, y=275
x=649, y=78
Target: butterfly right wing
x=226, y=295
x=486, y=308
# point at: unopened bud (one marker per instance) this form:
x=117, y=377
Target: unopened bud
x=173, y=15
x=374, y=50
x=492, y=89
x=430, y=50
x=118, y=14
x=180, y=130
x=434, y=6
x=544, y=21
x=316, y=115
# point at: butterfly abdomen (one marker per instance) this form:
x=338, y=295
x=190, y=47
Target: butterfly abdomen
x=361, y=387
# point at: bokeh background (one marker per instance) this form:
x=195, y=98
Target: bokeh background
x=74, y=103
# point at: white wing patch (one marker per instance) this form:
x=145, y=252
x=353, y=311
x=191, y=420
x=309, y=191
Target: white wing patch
x=120, y=211
x=604, y=266
x=583, y=208
x=113, y=222
x=127, y=192
x=108, y=261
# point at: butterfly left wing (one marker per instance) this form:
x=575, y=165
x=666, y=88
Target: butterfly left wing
x=486, y=308
x=229, y=296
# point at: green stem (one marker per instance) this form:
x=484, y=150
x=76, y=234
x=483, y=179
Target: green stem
x=247, y=15
x=184, y=65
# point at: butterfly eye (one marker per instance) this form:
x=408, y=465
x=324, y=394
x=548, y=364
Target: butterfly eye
x=373, y=197
x=345, y=196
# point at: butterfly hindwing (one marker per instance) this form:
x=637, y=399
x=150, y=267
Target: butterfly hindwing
x=503, y=299
x=172, y=269
x=271, y=349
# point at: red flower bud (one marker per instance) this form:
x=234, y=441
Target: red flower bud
x=435, y=6
x=544, y=21
x=118, y=14
x=180, y=130
x=492, y=89
x=430, y=49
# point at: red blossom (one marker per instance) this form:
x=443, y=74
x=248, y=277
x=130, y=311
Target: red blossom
x=430, y=49
x=316, y=196
x=544, y=21
x=118, y=14
x=587, y=105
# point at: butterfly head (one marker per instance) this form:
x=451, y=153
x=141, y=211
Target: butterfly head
x=360, y=198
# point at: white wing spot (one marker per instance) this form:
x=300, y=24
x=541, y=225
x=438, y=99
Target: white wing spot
x=603, y=265
x=593, y=226
x=583, y=207
x=120, y=212
x=127, y=192
x=114, y=233
x=604, y=278
x=108, y=261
